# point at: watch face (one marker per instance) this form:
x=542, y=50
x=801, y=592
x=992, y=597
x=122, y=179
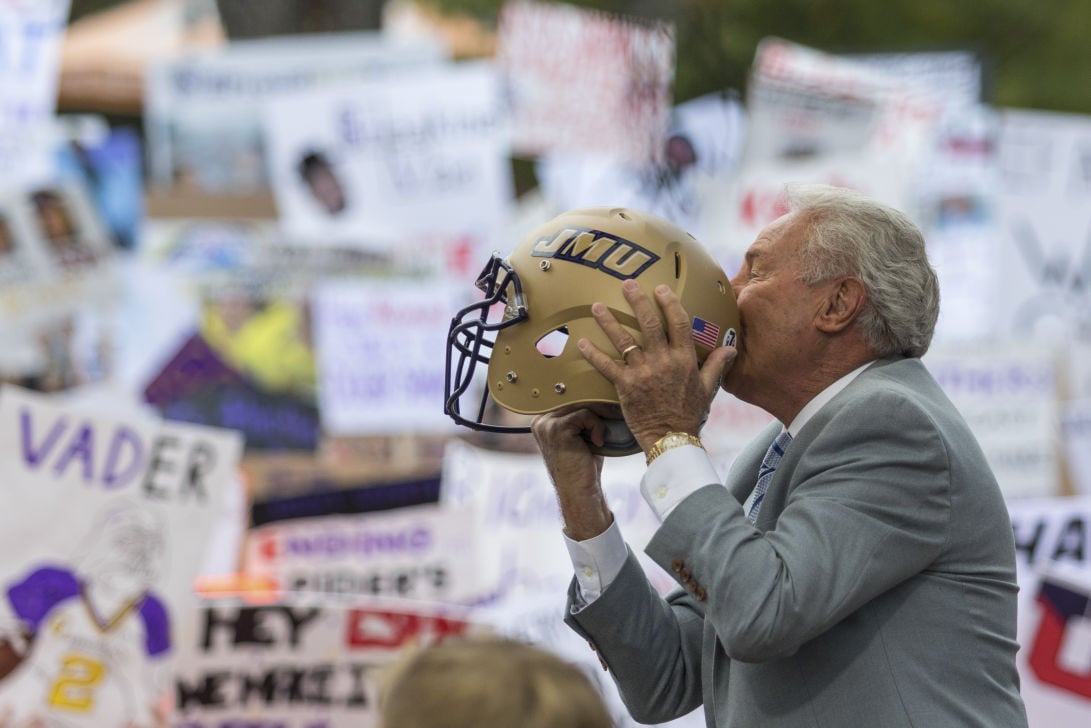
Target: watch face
x=672, y=440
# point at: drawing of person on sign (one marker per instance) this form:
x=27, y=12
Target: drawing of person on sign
x=83, y=644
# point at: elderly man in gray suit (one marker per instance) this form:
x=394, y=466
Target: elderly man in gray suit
x=858, y=569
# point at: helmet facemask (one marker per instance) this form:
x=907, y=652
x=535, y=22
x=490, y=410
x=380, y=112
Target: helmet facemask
x=546, y=287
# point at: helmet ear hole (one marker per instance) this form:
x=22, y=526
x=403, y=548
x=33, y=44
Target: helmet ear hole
x=553, y=343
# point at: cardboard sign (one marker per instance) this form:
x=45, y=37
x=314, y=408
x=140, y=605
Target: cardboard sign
x=515, y=512
x=381, y=344
x=1008, y=396
x=101, y=542
x=585, y=81
x=56, y=257
x=375, y=163
x=1053, y=542
x=805, y=103
x=294, y=662
x=1043, y=254
x=704, y=141
x=203, y=111
x=30, y=42
x=422, y=552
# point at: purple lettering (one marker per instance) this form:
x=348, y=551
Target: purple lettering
x=80, y=446
x=33, y=456
x=113, y=475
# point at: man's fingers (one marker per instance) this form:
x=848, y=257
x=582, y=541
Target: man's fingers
x=647, y=314
x=615, y=332
x=605, y=364
x=679, y=326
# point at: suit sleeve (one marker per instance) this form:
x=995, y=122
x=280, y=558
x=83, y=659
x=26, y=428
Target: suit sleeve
x=869, y=507
x=651, y=645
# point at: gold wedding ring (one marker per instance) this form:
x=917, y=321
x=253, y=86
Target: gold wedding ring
x=628, y=350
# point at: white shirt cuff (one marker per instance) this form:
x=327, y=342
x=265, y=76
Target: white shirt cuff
x=674, y=475
x=597, y=561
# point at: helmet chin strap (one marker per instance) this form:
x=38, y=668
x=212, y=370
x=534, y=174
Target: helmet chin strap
x=617, y=440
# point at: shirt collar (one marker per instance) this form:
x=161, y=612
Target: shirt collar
x=811, y=408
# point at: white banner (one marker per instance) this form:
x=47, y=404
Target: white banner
x=704, y=141
x=102, y=539
x=420, y=552
x=283, y=661
x=516, y=515
x=1009, y=397
x=585, y=81
x=806, y=103
x=381, y=346
x=1044, y=248
x=30, y=42
x=202, y=111
x=372, y=163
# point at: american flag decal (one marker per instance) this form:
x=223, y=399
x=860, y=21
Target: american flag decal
x=705, y=332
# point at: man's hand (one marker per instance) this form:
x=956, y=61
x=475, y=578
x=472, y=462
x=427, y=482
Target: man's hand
x=563, y=437
x=659, y=384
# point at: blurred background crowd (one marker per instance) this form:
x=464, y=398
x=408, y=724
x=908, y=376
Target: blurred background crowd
x=233, y=234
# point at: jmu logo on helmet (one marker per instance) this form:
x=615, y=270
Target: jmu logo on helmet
x=619, y=257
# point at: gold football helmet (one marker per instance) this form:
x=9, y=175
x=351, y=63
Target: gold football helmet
x=537, y=304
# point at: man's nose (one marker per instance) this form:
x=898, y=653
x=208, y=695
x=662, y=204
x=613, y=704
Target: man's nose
x=736, y=283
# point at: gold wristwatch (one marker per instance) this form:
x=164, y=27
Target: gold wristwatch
x=670, y=441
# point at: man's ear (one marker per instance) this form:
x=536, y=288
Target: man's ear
x=842, y=305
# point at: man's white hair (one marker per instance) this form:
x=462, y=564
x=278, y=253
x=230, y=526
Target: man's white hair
x=850, y=234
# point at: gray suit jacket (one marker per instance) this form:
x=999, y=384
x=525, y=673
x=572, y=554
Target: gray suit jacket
x=877, y=589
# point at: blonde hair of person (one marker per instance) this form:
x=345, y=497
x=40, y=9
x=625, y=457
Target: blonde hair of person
x=489, y=681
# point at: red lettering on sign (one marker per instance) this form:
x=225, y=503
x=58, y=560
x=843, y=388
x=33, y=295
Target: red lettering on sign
x=372, y=628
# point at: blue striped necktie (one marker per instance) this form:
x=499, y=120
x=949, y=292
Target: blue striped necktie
x=765, y=472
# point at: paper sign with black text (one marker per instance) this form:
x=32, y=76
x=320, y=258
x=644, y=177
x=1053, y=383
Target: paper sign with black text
x=424, y=552
x=290, y=662
x=375, y=163
x=1053, y=542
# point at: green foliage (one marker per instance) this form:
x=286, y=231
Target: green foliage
x=1037, y=51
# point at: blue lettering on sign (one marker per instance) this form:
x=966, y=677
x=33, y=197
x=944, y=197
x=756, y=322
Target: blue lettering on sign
x=412, y=540
x=114, y=457
x=616, y=256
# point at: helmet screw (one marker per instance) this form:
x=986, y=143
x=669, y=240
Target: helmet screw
x=511, y=376
x=535, y=392
x=543, y=265
x=559, y=387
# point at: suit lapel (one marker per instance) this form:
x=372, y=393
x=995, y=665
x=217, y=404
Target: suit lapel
x=777, y=494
